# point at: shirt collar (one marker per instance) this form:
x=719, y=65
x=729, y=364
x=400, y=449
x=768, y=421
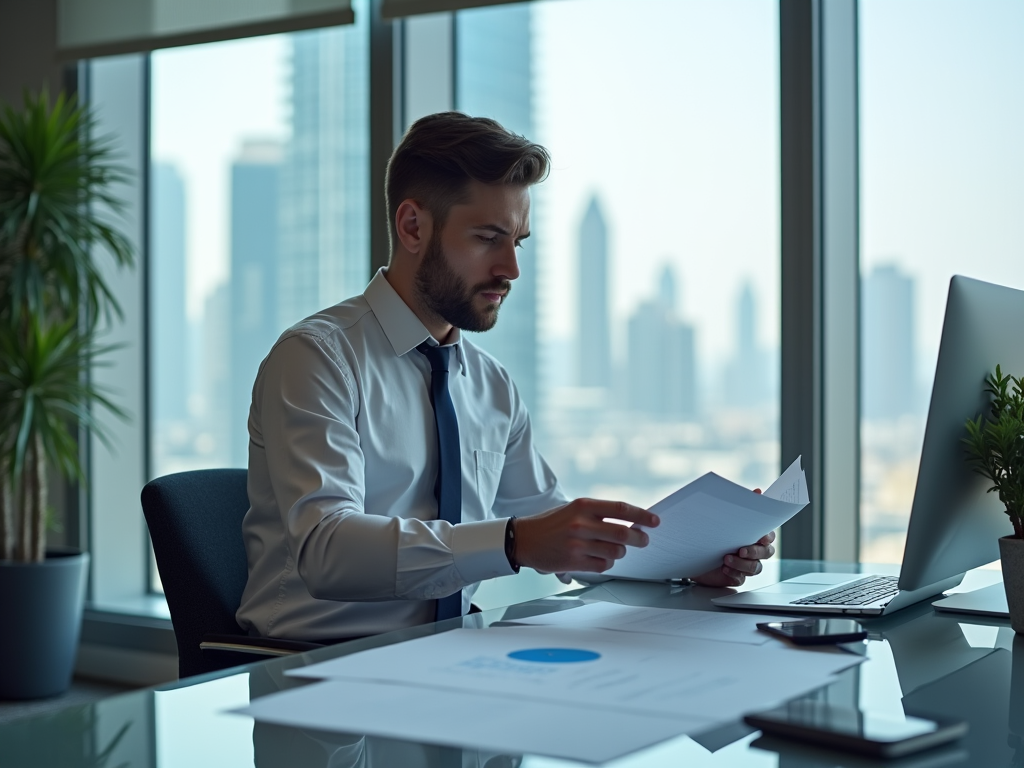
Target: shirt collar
x=399, y=323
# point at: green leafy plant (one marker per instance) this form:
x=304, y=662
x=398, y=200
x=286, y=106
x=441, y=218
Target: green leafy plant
x=995, y=445
x=56, y=215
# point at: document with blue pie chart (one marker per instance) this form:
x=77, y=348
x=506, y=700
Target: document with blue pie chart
x=624, y=671
x=588, y=694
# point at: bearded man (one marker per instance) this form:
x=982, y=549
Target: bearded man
x=391, y=461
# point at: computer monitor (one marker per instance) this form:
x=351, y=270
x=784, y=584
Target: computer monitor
x=954, y=524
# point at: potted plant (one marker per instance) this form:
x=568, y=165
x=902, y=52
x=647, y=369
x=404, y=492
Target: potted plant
x=55, y=210
x=995, y=448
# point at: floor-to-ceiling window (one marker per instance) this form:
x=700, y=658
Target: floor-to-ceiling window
x=259, y=217
x=942, y=190
x=644, y=329
x=644, y=332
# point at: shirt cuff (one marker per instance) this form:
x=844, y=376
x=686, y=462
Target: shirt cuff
x=479, y=550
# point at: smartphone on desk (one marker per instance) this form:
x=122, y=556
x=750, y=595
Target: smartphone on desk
x=816, y=631
x=855, y=731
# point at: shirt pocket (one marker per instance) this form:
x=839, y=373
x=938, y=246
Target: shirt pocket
x=488, y=474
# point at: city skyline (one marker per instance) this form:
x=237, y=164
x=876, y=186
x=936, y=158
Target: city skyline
x=256, y=86
x=237, y=323
x=677, y=136
x=902, y=193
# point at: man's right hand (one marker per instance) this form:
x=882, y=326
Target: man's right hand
x=576, y=537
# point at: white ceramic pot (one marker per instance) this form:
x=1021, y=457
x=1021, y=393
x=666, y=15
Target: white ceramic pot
x=1011, y=552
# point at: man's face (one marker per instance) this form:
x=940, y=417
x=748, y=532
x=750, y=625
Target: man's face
x=468, y=267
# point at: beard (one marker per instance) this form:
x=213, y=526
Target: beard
x=445, y=293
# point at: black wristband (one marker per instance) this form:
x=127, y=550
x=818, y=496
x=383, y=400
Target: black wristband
x=510, y=544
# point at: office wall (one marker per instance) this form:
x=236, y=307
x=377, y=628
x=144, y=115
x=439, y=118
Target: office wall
x=28, y=43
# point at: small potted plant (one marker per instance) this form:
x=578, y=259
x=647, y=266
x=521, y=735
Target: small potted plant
x=995, y=449
x=55, y=218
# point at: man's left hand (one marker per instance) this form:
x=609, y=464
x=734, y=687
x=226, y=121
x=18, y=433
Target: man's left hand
x=736, y=567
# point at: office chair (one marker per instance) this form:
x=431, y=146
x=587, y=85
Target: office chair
x=195, y=522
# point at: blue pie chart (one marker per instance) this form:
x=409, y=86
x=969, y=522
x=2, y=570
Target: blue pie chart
x=554, y=655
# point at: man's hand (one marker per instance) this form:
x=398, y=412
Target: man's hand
x=576, y=537
x=736, y=567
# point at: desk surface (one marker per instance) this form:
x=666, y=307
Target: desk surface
x=918, y=661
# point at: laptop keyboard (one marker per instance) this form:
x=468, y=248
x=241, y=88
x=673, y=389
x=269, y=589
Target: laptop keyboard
x=860, y=592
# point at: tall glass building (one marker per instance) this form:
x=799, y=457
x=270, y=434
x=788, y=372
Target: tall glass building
x=325, y=185
x=594, y=365
x=494, y=78
x=255, y=178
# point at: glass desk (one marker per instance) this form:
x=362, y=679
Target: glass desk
x=917, y=661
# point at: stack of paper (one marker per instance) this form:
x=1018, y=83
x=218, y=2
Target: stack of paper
x=706, y=520
x=572, y=689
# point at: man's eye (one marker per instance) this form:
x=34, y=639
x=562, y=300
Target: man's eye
x=492, y=240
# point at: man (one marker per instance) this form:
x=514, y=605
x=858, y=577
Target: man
x=391, y=462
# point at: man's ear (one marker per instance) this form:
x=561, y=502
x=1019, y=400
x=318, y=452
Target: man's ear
x=414, y=225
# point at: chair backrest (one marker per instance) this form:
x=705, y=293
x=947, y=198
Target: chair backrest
x=195, y=521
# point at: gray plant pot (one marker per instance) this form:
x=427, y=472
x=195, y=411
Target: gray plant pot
x=1011, y=552
x=41, y=604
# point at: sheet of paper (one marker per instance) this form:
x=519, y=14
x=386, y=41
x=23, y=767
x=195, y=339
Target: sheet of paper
x=791, y=485
x=706, y=520
x=701, y=625
x=621, y=671
x=470, y=720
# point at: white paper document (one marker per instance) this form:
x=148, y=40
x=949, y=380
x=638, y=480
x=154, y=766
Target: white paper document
x=469, y=720
x=622, y=671
x=699, y=625
x=706, y=520
x=560, y=691
x=791, y=486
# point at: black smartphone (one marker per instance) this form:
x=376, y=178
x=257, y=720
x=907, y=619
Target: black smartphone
x=816, y=631
x=855, y=731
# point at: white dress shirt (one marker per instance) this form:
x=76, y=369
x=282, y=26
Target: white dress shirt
x=342, y=534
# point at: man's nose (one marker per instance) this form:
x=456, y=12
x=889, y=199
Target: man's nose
x=507, y=266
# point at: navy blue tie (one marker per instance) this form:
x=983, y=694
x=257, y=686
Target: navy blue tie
x=448, y=487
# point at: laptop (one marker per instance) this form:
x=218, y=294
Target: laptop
x=954, y=524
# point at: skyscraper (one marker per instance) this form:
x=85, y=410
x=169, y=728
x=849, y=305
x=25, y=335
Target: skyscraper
x=667, y=289
x=662, y=357
x=595, y=360
x=255, y=178
x=216, y=438
x=747, y=376
x=324, y=210
x=494, y=78
x=170, y=388
x=888, y=383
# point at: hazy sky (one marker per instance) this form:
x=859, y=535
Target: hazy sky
x=942, y=146
x=668, y=110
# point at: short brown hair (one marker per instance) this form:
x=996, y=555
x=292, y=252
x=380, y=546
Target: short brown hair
x=440, y=154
